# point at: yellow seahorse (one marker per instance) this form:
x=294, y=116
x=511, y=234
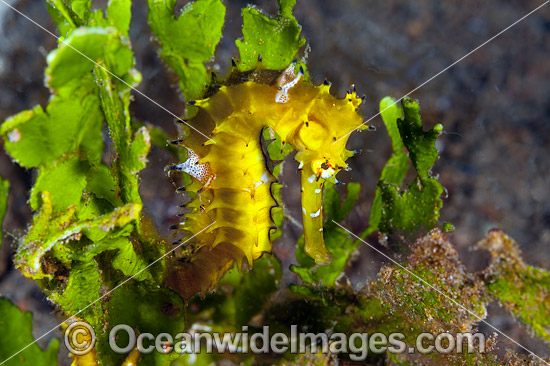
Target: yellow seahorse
x=231, y=185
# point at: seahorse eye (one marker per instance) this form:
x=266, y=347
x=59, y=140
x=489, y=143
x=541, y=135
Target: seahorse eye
x=323, y=168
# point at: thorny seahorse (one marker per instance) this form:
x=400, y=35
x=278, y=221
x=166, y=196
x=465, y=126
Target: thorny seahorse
x=232, y=187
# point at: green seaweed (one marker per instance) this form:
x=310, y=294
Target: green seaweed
x=277, y=40
x=4, y=193
x=189, y=40
x=16, y=330
x=522, y=289
x=417, y=207
x=88, y=234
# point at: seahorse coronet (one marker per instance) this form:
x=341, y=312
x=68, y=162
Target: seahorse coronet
x=231, y=186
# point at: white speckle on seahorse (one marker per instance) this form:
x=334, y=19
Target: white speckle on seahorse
x=317, y=190
x=304, y=210
x=286, y=81
x=325, y=174
x=316, y=213
x=200, y=172
x=210, y=179
x=321, y=229
x=265, y=178
x=301, y=165
x=311, y=179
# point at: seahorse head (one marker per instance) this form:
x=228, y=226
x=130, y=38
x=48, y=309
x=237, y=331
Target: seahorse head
x=322, y=124
x=327, y=123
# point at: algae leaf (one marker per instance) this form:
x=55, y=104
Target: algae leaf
x=189, y=40
x=66, y=145
x=16, y=330
x=72, y=120
x=276, y=40
x=65, y=182
x=48, y=230
x=417, y=207
x=69, y=15
x=522, y=289
x=4, y=192
x=253, y=291
x=88, y=233
x=397, y=165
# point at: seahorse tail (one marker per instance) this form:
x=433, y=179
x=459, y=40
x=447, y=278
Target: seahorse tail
x=312, y=216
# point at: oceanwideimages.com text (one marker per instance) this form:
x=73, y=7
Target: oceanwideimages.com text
x=200, y=339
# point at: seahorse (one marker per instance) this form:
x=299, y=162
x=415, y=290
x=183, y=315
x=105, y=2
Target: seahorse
x=232, y=189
